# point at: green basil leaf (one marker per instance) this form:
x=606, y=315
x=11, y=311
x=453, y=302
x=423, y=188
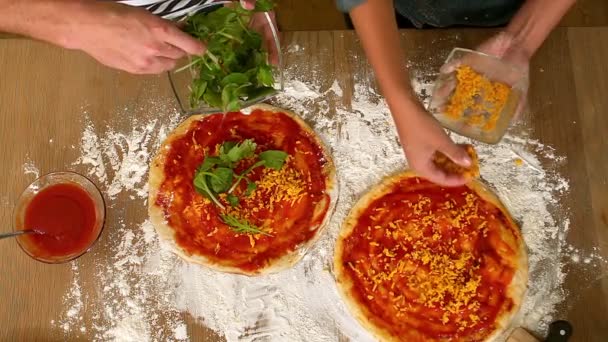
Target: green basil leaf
x=264, y=5
x=213, y=99
x=226, y=147
x=232, y=200
x=250, y=188
x=264, y=76
x=235, y=64
x=273, y=159
x=259, y=93
x=243, y=150
x=221, y=179
x=200, y=185
x=235, y=77
x=208, y=163
x=228, y=95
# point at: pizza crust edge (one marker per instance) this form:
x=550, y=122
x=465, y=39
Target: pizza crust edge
x=516, y=290
x=166, y=233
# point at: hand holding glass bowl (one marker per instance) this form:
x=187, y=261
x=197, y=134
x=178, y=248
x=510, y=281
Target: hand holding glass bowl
x=477, y=95
x=185, y=73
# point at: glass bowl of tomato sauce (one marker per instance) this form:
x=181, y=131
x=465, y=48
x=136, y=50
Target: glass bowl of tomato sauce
x=66, y=213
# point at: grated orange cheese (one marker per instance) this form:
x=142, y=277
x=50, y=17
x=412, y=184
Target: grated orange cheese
x=477, y=99
x=275, y=187
x=442, y=276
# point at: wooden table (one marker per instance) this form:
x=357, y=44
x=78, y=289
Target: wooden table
x=44, y=91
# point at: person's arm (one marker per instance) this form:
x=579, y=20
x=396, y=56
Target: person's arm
x=527, y=31
x=535, y=20
x=420, y=134
x=116, y=35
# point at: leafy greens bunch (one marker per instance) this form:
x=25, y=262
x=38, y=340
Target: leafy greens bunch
x=235, y=66
x=217, y=175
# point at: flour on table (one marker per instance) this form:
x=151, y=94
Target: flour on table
x=119, y=160
x=29, y=168
x=144, y=288
x=72, y=318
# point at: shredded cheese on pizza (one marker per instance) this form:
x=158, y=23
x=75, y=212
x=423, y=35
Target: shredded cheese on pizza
x=219, y=215
x=274, y=187
x=450, y=283
x=430, y=261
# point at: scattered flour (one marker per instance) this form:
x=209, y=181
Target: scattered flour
x=144, y=287
x=30, y=169
x=120, y=160
x=73, y=316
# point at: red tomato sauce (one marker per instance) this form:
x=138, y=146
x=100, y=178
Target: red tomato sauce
x=439, y=236
x=197, y=224
x=64, y=217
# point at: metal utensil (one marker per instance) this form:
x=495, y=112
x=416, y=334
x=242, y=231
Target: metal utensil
x=17, y=233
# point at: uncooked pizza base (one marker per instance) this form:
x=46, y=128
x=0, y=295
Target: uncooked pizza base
x=515, y=291
x=167, y=234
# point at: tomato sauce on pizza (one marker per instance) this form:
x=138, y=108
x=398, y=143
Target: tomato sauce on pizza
x=431, y=263
x=287, y=204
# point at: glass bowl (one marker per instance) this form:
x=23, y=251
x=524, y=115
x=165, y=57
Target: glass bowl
x=486, y=122
x=181, y=79
x=27, y=244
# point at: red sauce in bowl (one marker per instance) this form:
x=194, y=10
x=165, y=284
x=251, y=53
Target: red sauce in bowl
x=64, y=218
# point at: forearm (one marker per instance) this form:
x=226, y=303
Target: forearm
x=535, y=20
x=376, y=27
x=47, y=20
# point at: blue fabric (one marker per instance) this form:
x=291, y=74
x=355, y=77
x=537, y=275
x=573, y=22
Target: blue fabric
x=443, y=13
x=348, y=5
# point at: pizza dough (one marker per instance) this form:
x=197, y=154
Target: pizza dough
x=415, y=261
x=292, y=204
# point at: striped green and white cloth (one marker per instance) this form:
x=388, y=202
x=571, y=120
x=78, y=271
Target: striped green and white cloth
x=168, y=9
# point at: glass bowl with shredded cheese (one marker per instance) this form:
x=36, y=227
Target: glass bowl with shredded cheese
x=477, y=95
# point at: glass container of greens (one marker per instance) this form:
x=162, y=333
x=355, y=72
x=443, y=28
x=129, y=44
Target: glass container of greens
x=236, y=70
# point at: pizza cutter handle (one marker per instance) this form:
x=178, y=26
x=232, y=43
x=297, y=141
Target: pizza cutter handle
x=559, y=331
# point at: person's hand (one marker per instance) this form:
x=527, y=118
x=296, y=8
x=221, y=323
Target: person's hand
x=421, y=136
x=260, y=24
x=506, y=47
x=128, y=38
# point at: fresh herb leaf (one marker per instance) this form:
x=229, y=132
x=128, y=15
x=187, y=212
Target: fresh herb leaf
x=242, y=175
x=221, y=179
x=236, y=152
x=232, y=200
x=235, y=78
x=273, y=159
x=250, y=188
x=264, y=5
x=216, y=175
x=264, y=76
x=212, y=98
x=209, y=163
x=260, y=93
x=241, y=226
x=229, y=96
x=227, y=146
x=235, y=65
x=201, y=186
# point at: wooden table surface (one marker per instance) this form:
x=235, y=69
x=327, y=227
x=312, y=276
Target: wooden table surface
x=45, y=90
